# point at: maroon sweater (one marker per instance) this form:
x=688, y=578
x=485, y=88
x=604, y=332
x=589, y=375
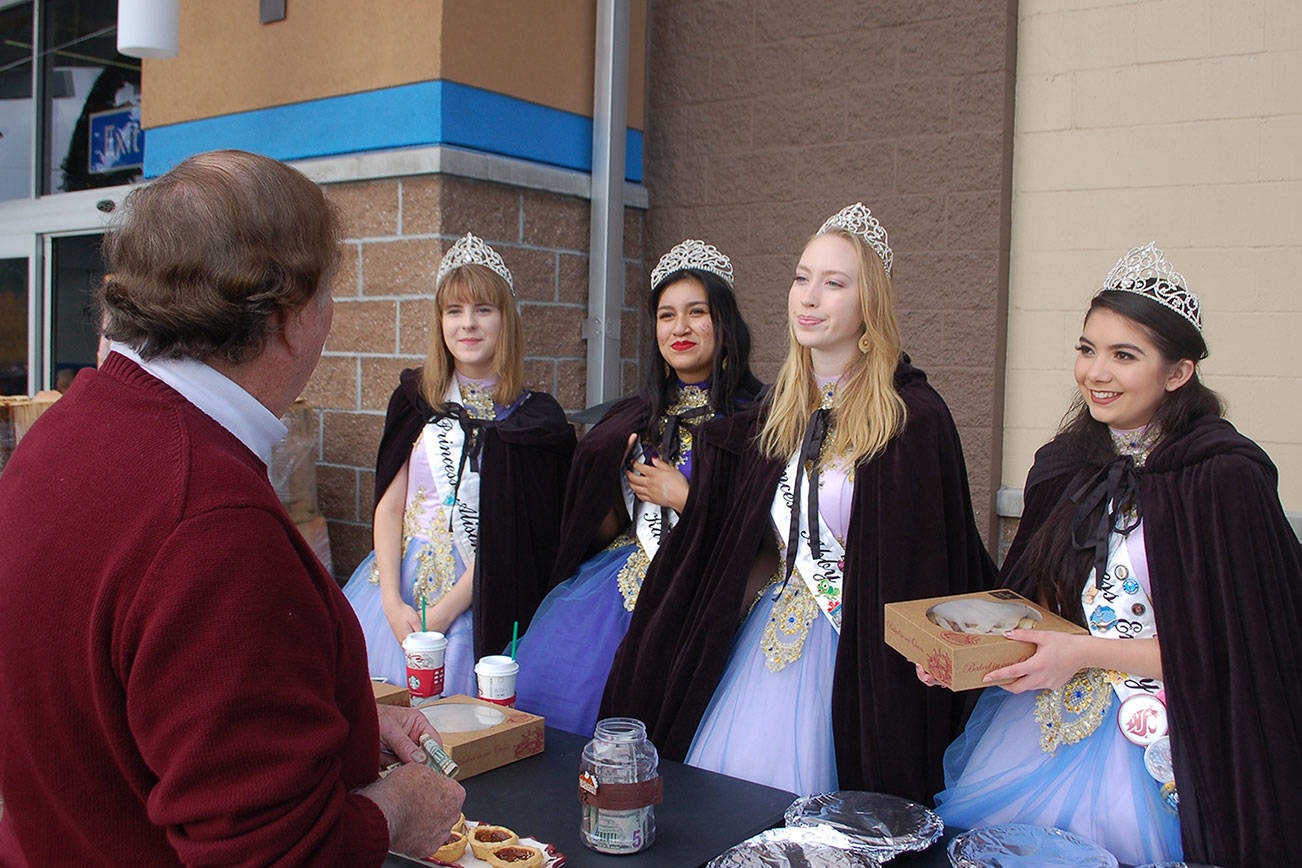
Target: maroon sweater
x=181, y=681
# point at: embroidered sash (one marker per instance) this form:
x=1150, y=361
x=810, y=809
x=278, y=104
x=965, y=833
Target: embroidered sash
x=1116, y=607
x=456, y=480
x=823, y=576
x=650, y=524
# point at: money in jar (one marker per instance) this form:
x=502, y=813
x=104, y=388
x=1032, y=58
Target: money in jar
x=619, y=787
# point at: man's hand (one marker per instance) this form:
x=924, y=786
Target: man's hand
x=401, y=730
x=420, y=806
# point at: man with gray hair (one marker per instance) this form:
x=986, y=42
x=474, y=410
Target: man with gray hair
x=182, y=681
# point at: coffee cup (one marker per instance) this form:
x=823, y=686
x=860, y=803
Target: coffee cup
x=424, y=652
x=496, y=676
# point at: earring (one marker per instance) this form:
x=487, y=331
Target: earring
x=864, y=344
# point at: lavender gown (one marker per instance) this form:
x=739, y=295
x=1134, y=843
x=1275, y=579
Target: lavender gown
x=995, y=772
x=775, y=727
x=566, y=656
x=422, y=535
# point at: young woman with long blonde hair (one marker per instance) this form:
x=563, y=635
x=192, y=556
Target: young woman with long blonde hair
x=844, y=491
x=468, y=482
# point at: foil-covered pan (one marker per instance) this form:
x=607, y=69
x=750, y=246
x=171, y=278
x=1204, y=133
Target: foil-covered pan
x=798, y=847
x=884, y=825
x=1017, y=845
x=1177, y=865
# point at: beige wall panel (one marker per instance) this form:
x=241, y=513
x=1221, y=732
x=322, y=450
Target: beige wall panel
x=540, y=52
x=1178, y=121
x=1150, y=31
x=230, y=62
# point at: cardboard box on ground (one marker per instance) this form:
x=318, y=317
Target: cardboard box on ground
x=17, y=413
x=959, y=660
x=293, y=473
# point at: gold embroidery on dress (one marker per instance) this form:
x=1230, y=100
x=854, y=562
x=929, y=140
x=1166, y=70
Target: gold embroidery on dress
x=478, y=401
x=688, y=398
x=1086, y=696
x=792, y=615
x=633, y=571
x=783, y=639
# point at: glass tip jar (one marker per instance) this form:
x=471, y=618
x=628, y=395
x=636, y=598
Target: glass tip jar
x=619, y=787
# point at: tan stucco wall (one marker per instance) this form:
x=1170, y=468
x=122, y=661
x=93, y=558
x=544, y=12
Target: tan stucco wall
x=230, y=62
x=1178, y=121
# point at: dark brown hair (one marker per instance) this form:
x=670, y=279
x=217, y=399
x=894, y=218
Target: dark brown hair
x=201, y=260
x=1056, y=567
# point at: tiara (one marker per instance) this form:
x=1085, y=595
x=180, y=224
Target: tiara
x=693, y=254
x=472, y=250
x=1144, y=270
x=858, y=220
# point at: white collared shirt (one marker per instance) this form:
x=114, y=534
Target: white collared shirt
x=218, y=396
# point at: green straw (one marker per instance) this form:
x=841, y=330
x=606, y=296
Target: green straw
x=422, y=614
x=515, y=634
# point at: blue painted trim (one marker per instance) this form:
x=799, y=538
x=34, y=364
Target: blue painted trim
x=411, y=115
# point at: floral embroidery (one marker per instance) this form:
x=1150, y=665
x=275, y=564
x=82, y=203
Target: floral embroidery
x=477, y=401
x=689, y=398
x=1085, y=696
x=783, y=638
x=632, y=574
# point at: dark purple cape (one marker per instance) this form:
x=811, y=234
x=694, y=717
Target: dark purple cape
x=911, y=535
x=1226, y=572
x=523, y=466
x=593, y=487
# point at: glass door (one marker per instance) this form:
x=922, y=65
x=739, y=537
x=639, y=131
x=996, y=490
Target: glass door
x=73, y=270
x=18, y=317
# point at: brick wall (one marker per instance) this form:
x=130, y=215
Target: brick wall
x=767, y=116
x=395, y=232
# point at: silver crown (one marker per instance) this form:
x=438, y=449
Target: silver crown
x=693, y=254
x=473, y=250
x=1144, y=270
x=858, y=220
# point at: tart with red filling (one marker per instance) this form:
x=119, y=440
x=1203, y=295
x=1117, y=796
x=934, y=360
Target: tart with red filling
x=515, y=856
x=484, y=839
x=453, y=849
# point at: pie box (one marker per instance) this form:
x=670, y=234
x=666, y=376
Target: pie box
x=959, y=660
x=518, y=735
x=390, y=694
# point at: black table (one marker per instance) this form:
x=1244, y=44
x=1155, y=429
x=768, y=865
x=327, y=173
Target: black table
x=703, y=813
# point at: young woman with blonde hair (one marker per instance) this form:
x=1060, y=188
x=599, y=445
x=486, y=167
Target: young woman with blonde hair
x=844, y=491
x=468, y=482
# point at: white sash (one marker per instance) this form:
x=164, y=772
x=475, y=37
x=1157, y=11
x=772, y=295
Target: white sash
x=645, y=517
x=442, y=441
x=824, y=576
x=1119, y=609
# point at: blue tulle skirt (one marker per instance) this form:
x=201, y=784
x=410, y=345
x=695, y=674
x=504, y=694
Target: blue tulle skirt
x=383, y=652
x=773, y=728
x=996, y=773
x=566, y=655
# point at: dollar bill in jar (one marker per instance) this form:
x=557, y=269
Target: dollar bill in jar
x=619, y=787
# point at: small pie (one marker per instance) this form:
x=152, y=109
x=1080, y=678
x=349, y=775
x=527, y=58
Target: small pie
x=460, y=825
x=485, y=838
x=454, y=849
x=515, y=856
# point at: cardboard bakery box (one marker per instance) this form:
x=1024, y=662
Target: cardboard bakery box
x=480, y=736
x=390, y=694
x=958, y=660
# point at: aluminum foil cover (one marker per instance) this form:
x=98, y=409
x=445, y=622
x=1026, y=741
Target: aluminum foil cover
x=1017, y=845
x=802, y=847
x=1178, y=865
x=885, y=825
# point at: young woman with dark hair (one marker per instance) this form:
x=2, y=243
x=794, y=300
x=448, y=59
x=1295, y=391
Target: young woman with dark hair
x=1148, y=519
x=468, y=483
x=630, y=481
x=845, y=489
